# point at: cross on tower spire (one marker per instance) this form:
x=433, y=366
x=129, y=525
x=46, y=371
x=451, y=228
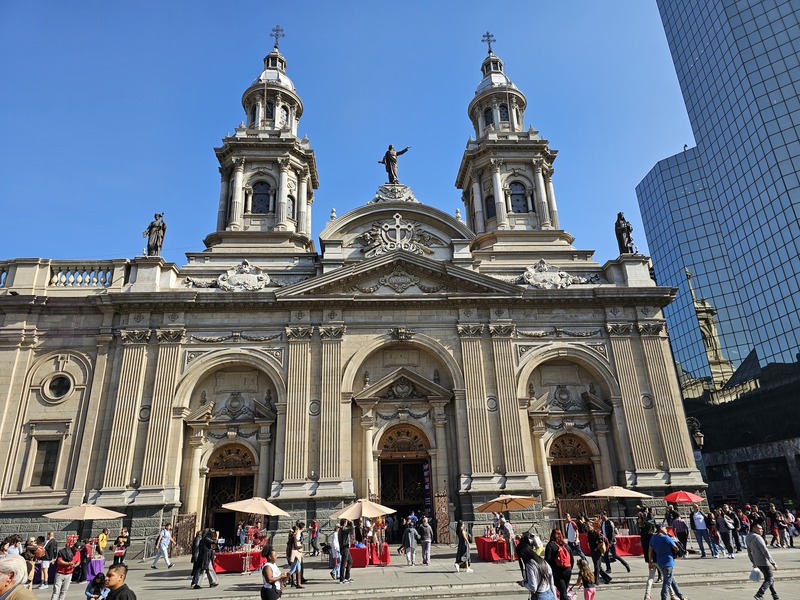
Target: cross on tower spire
x=488, y=38
x=277, y=33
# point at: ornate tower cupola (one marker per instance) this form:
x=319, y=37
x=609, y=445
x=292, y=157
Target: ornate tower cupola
x=268, y=174
x=506, y=171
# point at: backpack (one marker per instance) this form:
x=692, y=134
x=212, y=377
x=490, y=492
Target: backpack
x=564, y=557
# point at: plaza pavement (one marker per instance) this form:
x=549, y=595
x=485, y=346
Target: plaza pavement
x=700, y=579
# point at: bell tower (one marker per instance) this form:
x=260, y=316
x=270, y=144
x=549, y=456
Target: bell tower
x=506, y=173
x=267, y=173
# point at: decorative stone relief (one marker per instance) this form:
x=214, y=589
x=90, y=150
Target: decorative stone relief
x=502, y=330
x=393, y=192
x=619, y=328
x=241, y=278
x=169, y=336
x=559, y=332
x=298, y=333
x=190, y=356
x=470, y=330
x=492, y=404
x=650, y=328
x=403, y=413
x=545, y=276
x=284, y=280
x=144, y=414
x=235, y=337
x=564, y=399
x=401, y=334
x=314, y=408
x=599, y=348
x=397, y=234
x=402, y=389
x=332, y=333
x=135, y=336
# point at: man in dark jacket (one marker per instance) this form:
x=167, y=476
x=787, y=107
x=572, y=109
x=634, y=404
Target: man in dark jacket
x=346, y=561
x=115, y=581
x=610, y=531
x=205, y=556
x=196, y=554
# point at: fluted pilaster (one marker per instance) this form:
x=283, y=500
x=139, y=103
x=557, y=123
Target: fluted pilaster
x=477, y=417
x=296, y=455
x=330, y=412
x=503, y=350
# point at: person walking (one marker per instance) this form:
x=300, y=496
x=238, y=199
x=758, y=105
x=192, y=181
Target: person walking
x=271, y=576
x=335, y=554
x=573, y=536
x=538, y=575
x=700, y=525
x=725, y=528
x=314, y=537
x=585, y=579
x=205, y=558
x=598, y=546
x=50, y=552
x=115, y=581
x=681, y=530
x=561, y=561
x=662, y=547
x=410, y=539
x=426, y=535
x=647, y=527
x=744, y=527
x=610, y=531
x=346, y=562
x=462, y=551
x=162, y=546
x=195, y=558
x=67, y=560
x=759, y=556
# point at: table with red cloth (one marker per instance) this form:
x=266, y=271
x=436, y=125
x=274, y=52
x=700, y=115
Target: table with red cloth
x=491, y=550
x=379, y=554
x=627, y=545
x=233, y=562
x=360, y=556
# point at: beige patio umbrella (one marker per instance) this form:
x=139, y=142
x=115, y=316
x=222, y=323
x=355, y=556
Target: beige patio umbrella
x=507, y=502
x=616, y=491
x=362, y=508
x=256, y=506
x=84, y=512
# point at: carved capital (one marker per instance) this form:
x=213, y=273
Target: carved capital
x=619, y=328
x=284, y=163
x=298, y=333
x=303, y=173
x=476, y=174
x=135, y=336
x=470, y=330
x=170, y=336
x=538, y=165
x=496, y=164
x=502, y=330
x=332, y=333
x=238, y=163
x=650, y=328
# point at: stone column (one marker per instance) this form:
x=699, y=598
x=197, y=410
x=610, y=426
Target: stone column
x=308, y=216
x=481, y=124
x=262, y=481
x=601, y=431
x=632, y=416
x=224, y=185
x=196, y=443
x=502, y=347
x=121, y=439
x=541, y=196
x=551, y=198
x=439, y=422
x=477, y=417
x=330, y=399
x=496, y=113
x=368, y=427
x=237, y=204
x=512, y=115
x=248, y=199
x=545, y=474
x=295, y=466
x=155, y=449
x=529, y=198
x=677, y=448
x=499, y=202
x=280, y=442
x=302, y=200
x=462, y=429
x=477, y=202
x=283, y=190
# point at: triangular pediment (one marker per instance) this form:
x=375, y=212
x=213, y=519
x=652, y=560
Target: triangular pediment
x=404, y=384
x=397, y=273
x=589, y=403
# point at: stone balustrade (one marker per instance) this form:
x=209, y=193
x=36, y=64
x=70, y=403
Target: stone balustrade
x=85, y=274
x=41, y=276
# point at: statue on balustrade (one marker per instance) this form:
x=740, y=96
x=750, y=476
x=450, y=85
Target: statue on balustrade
x=624, y=229
x=155, y=235
x=390, y=162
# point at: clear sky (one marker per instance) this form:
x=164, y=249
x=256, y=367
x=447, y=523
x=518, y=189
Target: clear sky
x=110, y=110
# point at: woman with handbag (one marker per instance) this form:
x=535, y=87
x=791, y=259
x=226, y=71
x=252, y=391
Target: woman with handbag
x=598, y=544
x=462, y=552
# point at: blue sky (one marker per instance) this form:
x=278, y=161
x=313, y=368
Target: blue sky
x=110, y=111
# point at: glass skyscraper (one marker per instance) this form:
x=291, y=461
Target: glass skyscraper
x=721, y=219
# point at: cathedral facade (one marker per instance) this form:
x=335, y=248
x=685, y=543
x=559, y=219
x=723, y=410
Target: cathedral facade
x=414, y=357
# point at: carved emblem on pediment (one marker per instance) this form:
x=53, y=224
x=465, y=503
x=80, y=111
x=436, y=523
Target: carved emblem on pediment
x=564, y=399
x=397, y=234
x=399, y=280
x=401, y=389
x=401, y=334
x=545, y=276
x=393, y=192
x=241, y=278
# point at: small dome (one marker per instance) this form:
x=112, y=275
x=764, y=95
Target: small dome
x=493, y=75
x=273, y=76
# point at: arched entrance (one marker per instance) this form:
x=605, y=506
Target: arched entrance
x=231, y=477
x=572, y=467
x=405, y=470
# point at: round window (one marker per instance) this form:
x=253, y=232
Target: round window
x=57, y=388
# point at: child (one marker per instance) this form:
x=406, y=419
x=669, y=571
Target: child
x=586, y=579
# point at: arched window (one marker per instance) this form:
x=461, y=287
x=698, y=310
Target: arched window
x=519, y=204
x=253, y=113
x=491, y=210
x=290, y=207
x=270, y=113
x=284, y=120
x=488, y=117
x=503, y=112
x=261, y=193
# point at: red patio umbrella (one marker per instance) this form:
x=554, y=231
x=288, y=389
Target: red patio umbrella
x=683, y=497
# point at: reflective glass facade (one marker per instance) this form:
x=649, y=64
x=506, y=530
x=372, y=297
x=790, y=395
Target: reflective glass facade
x=728, y=209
